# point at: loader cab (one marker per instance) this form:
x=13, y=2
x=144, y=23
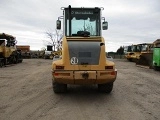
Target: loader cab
x=82, y=22
x=136, y=48
x=147, y=47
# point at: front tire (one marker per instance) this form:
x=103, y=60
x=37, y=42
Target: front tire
x=105, y=88
x=58, y=87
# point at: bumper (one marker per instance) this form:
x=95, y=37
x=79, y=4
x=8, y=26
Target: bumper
x=84, y=77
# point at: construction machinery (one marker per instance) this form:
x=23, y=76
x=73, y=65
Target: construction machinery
x=127, y=49
x=146, y=55
x=25, y=50
x=8, y=51
x=156, y=55
x=132, y=52
x=83, y=59
x=149, y=51
x=41, y=53
x=57, y=53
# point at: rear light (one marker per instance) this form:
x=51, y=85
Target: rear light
x=108, y=67
x=60, y=67
x=56, y=74
x=113, y=73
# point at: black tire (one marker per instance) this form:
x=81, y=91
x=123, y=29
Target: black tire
x=15, y=60
x=59, y=88
x=156, y=68
x=20, y=61
x=2, y=64
x=105, y=88
x=129, y=59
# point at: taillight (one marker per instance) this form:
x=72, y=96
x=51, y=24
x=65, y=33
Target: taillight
x=108, y=67
x=60, y=67
x=56, y=74
x=113, y=72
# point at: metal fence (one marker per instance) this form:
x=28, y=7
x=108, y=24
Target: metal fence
x=116, y=56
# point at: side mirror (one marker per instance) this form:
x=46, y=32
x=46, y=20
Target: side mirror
x=58, y=24
x=105, y=25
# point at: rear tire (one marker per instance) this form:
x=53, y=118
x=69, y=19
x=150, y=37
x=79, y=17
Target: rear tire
x=105, y=88
x=2, y=64
x=129, y=59
x=58, y=87
x=20, y=61
x=16, y=60
x=156, y=68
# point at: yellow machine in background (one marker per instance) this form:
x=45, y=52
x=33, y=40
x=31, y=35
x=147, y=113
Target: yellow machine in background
x=146, y=56
x=127, y=50
x=83, y=52
x=133, y=52
x=56, y=53
x=25, y=50
x=8, y=51
x=49, y=53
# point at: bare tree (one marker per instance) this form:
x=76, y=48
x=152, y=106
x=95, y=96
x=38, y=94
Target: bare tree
x=59, y=36
x=89, y=28
x=55, y=39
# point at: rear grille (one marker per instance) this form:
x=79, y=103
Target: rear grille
x=86, y=53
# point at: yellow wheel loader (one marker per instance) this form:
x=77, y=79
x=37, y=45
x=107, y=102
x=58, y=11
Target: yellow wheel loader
x=57, y=53
x=132, y=52
x=8, y=51
x=83, y=60
x=127, y=51
x=146, y=56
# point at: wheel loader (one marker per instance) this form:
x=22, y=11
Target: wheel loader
x=57, y=53
x=83, y=60
x=146, y=56
x=132, y=53
x=8, y=52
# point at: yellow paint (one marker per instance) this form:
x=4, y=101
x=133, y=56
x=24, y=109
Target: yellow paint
x=72, y=74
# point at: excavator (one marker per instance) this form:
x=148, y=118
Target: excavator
x=83, y=60
x=8, y=51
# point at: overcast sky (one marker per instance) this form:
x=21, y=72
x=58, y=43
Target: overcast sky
x=130, y=21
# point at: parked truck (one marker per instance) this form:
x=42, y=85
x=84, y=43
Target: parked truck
x=83, y=60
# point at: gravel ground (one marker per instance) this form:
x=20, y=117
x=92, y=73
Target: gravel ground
x=26, y=94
